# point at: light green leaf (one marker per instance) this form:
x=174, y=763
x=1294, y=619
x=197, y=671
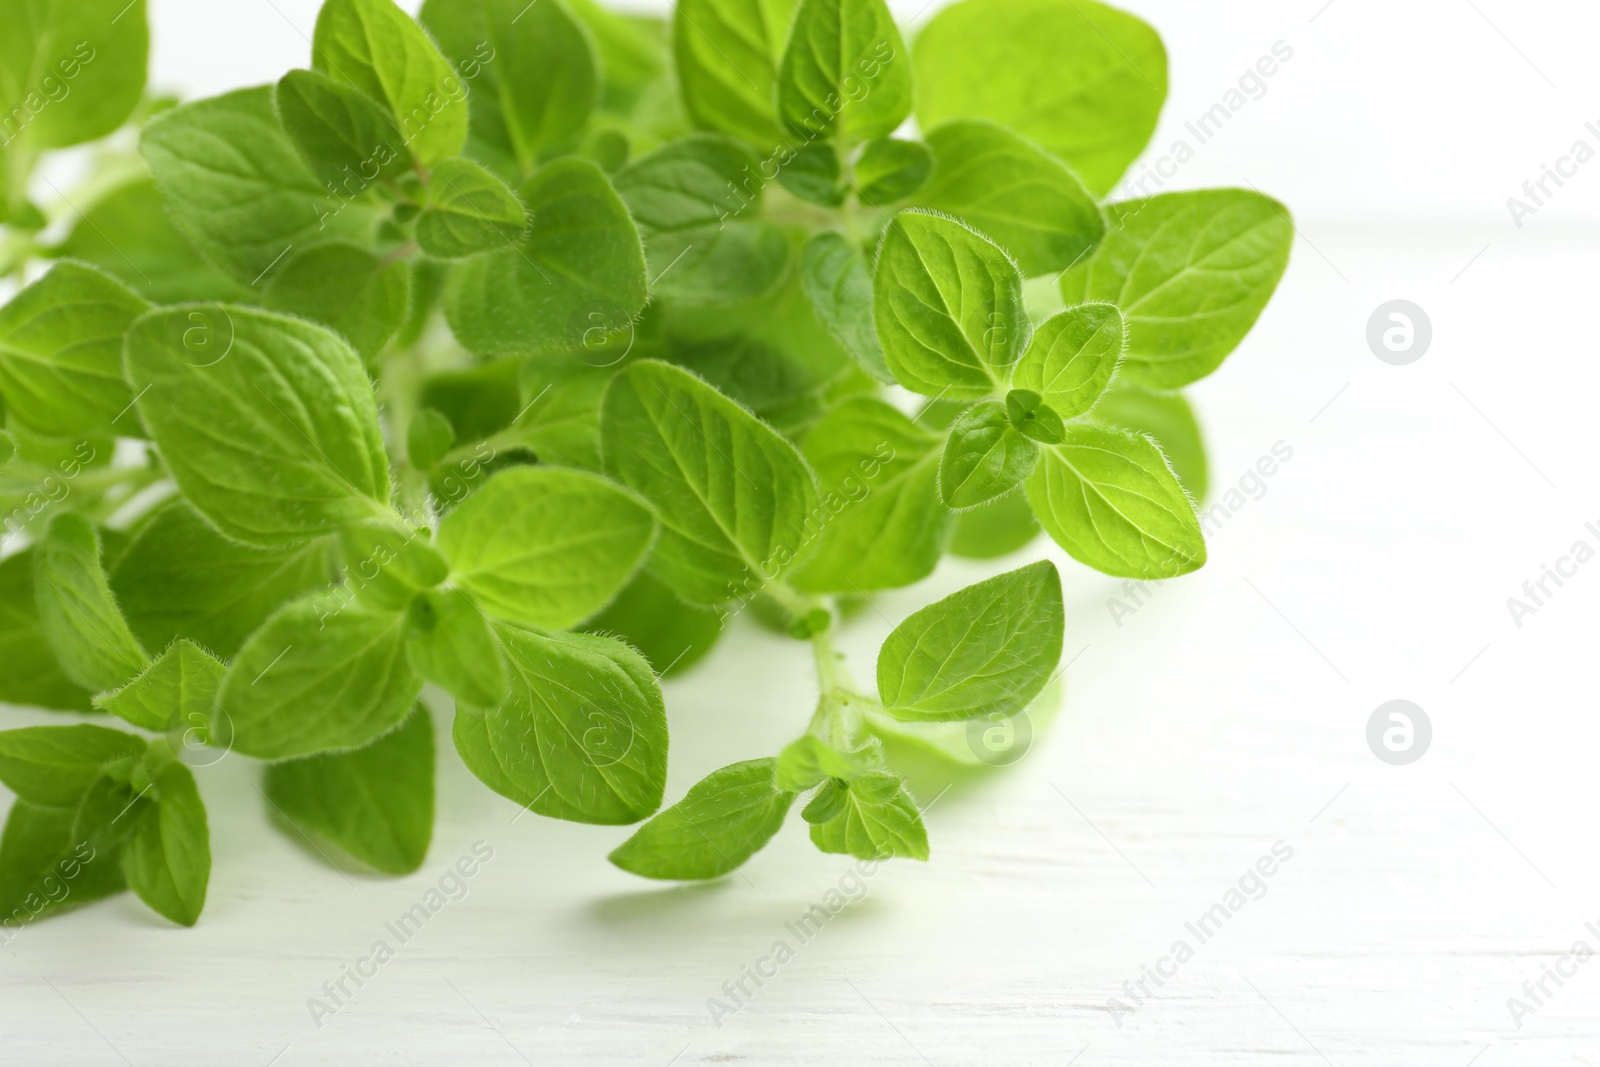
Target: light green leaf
x=322, y=674
x=884, y=526
x=429, y=437
x=581, y=254
x=54, y=766
x=648, y=615
x=995, y=529
x=346, y=288
x=845, y=72
x=535, y=76
x=1169, y=419
x=1072, y=357
x=340, y=132
x=70, y=70
x=469, y=211
x=871, y=826
x=737, y=502
x=235, y=186
x=61, y=353
x=1107, y=496
x=727, y=53
x=8, y=449
x=985, y=457
x=179, y=687
x=890, y=170
x=582, y=734
x=79, y=615
x=302, y=454
x=546, y=546
x=1191, y=273
x=562, y=426
x=167, y=860
x=947, y=303
x=1083, y=80
x=374, y=804
x=32, y=677
x=128, y=235
x=985, y=650
x=838, y=283
x=724, y=820
x=179, y=578
x=449, y=642
x=1008, y=188
x=374, y=47
x=385, y=564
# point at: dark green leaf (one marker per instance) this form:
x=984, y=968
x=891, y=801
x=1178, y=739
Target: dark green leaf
x=340, y=132
x=179, y=578
x=375, y=804
x=167, y=860
x=77, y=610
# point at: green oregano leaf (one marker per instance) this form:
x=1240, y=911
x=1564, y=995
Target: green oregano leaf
x=546, y=546
x=1084, y=81
x=877, y=820
x=948, y=307
x=451, y=643
x=61, y=353
x=1191, y=272
x=77, y=610
x=724, y=820
x=580, y=735
x=179, y=687
x=986, y=457
x=375, y=48
x=303, y=454
x=1071, y=358
x=374, y=804
x=738, y=504
x=988, y=649
x=469, y=211
x=845, y=72
x=1007, y=187
x=323, y=674
x=1107, y=496
x=167, y=860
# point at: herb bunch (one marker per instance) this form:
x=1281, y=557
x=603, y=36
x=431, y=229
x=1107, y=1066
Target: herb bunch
x=517, y=347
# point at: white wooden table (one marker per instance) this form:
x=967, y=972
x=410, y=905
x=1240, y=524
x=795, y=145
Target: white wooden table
x=1226, y=715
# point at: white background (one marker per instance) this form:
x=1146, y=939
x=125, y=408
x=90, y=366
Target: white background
x=1226, y=715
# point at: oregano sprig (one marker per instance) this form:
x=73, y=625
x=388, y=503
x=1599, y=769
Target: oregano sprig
x=515, y=351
